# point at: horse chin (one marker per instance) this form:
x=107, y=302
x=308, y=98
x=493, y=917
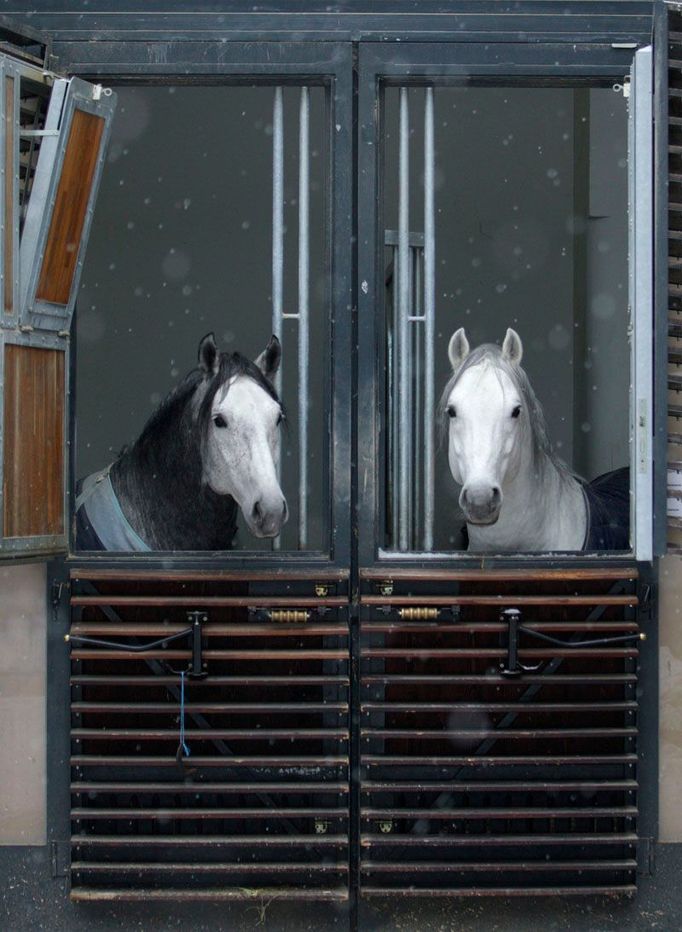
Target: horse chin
x=483, y=521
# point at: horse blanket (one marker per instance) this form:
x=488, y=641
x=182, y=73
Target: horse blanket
x=100, y=523
x=608, y=511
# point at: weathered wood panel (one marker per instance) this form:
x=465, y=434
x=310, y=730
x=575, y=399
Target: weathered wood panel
x=68, y=218
x=33, y=460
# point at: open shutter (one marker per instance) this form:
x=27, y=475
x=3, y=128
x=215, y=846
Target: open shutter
x=640, y=212
x=53, y=134
x=62, y=201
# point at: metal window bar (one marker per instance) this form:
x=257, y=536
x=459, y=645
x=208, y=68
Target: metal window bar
x=410, y=348
x=301, y=316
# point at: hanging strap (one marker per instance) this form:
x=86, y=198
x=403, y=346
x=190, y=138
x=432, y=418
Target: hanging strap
x=183, y=749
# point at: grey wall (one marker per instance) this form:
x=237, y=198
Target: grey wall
x=531, y=228
x=181, y=245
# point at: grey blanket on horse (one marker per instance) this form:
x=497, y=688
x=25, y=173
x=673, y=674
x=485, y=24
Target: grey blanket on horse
x=608, y=511
x=100, y=522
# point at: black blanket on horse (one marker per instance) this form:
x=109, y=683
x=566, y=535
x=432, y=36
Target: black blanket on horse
x=608, y=511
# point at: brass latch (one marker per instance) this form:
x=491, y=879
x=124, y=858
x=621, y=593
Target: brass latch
x=289, y=614
x=419, y=613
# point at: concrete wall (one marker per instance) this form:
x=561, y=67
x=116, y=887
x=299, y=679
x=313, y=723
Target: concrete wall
x=23, y=674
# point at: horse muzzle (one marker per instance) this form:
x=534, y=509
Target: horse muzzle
x=267, y=519
x=481, y=504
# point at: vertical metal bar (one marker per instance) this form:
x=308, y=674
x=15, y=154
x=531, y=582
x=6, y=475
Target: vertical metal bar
x=403, y=303
x=303, y=307
x=278, y=241
x=417, y=399
x=429, y=318
x=640, y=170
x=392, y=400
x=278, y=222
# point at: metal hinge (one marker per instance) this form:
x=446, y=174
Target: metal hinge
x=60, y=858
x=56, y=590
x=646, y=855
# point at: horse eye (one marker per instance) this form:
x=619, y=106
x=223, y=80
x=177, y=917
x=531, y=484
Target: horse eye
x=516, y=411
x=219, y=421
x=452, y=412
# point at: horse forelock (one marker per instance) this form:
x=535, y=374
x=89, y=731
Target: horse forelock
x=541, y=446
x=232, y=365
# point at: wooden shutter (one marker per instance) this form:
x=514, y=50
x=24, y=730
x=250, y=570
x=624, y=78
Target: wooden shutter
x=62, y=201
x=53, y=133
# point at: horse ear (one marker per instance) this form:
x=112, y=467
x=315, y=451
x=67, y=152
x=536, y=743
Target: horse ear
x=512, y=348
x=208, y=354
x=458, y=348
x=268, y=361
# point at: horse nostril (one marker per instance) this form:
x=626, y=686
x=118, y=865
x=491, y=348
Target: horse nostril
x=497, y=495
x=257, y=513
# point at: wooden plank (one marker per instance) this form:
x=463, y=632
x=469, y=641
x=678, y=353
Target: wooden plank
x=196, y=895
x=70, y=209
x=33, y=466
x=501, y=600
x=281, y=573
x=484, y=574
x=192, y=601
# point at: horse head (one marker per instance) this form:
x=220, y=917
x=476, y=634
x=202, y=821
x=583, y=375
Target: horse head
x=485, y=406
x=240, y=416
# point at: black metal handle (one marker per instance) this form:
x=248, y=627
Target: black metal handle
x=195, y=669
x=514, y=667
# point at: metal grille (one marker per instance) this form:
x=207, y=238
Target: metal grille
x=475, y=780
x=259, y=808
x=675, y=281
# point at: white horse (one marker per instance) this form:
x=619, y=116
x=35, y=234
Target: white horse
x=516, y=493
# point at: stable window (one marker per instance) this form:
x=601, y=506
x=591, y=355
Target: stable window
x=509, y=202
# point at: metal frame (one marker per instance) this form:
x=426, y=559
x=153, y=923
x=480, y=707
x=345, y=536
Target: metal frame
x=67, y=97
x=47, y=545
x=421, y=64
x=640, y=268
x=143, y=45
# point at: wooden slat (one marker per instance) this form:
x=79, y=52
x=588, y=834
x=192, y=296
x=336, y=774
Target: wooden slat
x=625, y=889
x=33, y=462
x=502, y=841
x=577, y=812
x=501, y=600
x=206, y=601
x=194, y=894
x=467, y=867
x=70, y=209
x=238, y=760
x=494, y=574
x=211, y=867
x=210, y=841
x=93, y=574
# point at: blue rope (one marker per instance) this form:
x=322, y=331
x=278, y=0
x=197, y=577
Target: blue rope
x=183, y=746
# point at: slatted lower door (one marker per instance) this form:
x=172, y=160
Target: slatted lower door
x=474, y=782
x=259, y=810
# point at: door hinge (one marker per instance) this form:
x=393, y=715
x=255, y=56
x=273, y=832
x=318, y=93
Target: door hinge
x=646, y=855
x=60, y=858
x=56, y=591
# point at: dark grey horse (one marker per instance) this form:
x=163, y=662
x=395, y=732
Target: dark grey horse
x=211, y=447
